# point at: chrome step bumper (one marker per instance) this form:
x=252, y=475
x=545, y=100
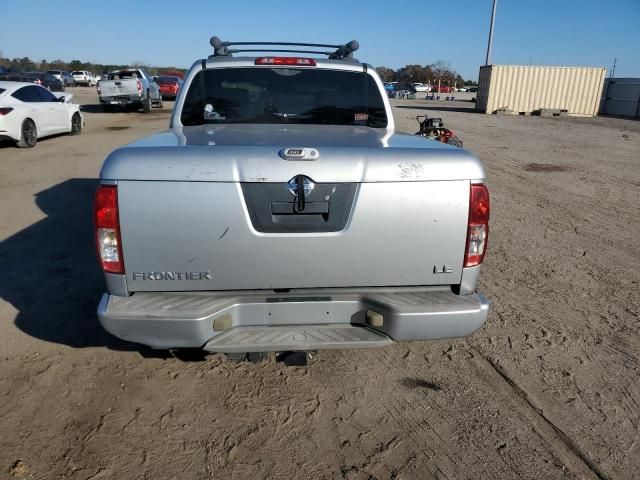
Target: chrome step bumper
x=292, y=337
x=304, y=320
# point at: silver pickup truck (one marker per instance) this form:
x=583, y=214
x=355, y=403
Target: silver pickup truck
x=281, y=212
x=132, y=86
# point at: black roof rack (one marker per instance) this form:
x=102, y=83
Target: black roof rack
x=341, y=52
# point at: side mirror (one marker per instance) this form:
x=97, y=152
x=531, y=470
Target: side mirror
x=61, y=99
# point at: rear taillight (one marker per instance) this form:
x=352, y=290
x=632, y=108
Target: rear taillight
x=5, y=111
x=304, y=62
x=98, y=88
x=478, y=226
x=107, y=225
x=139, y=85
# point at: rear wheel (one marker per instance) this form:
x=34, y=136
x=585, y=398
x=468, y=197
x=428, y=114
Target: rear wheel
x=76, y=124
x=253, y=357
x=146, y=103
x=257, y=357
x=455, y=141
x=236, y=357
x=28, y=135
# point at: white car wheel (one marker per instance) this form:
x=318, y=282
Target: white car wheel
x=28, y=134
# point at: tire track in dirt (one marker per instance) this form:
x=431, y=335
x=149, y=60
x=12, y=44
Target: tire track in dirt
x=571, y=455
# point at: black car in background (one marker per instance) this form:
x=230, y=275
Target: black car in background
x=39, y=78
x=5, y=70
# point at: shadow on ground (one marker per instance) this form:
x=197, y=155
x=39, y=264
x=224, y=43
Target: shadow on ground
x=12, y=143
x=96, y=108
x=51, y=275
x=99, y=108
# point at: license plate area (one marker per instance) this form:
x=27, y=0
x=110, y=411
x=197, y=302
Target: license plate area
x=273, y=209
x=292, y=208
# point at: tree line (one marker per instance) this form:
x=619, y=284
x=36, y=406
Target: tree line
x=25, y=64
x=439, y=71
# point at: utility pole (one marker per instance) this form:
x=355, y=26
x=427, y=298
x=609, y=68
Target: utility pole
x=493, y=17
x=613, y=70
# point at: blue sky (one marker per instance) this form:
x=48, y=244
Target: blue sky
x=163, y=32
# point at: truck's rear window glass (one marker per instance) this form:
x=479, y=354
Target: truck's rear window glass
x=167, y=80
x=283, y=95
x=124, y=74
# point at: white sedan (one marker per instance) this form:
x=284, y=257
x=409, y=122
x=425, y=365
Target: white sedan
x=29, y=112
x=421, y=87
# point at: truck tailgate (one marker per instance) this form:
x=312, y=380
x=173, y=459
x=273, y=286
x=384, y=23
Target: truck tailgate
x=235, y=235
x=114, y=88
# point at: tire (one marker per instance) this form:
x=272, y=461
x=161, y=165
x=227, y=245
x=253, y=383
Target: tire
x=147, y=104
x=76, y=124
x=455, y=141
x=236, y=357
x=28, y=135
x=257, y=357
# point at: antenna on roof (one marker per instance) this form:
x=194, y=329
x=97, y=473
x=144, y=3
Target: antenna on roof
x=342, y=52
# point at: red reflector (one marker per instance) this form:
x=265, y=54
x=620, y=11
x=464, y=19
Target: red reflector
x=305, y=62
x=4, y=111
x=478, y=226
x=107, y=229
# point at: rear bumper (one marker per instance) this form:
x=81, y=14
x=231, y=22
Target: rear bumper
x=312, y=320
x=168, y=92
x=9, y=131
x=121, y=100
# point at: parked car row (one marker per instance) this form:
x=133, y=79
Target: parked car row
x=392, y=87
x=400, y=89
x=39, y=78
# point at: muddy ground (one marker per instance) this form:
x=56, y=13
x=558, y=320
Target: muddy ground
x=549, y=388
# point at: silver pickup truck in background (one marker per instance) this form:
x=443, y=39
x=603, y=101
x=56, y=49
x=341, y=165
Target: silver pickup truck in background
x=129, y=87
x=282, y=212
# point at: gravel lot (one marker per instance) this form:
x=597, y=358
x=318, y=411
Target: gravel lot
x=549, y=388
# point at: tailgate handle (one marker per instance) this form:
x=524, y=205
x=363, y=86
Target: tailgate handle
x=289, y=208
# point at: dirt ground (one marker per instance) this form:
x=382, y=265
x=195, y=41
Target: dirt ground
x=549, y=388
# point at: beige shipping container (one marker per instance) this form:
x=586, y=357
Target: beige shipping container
x=527, y=89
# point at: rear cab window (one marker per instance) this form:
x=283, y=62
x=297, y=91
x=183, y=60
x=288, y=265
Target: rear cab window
x=284, y=95
x=167, y=79
x=125, y=74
